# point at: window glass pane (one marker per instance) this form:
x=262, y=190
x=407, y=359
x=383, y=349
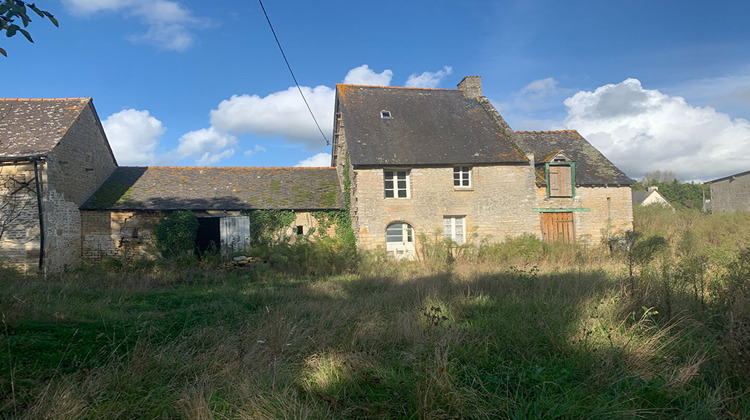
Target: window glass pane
x=460, y=238
x=388, y=193
x=401, y=174
x=409, y=234
x=388, y=174
x=459, y=223
x=466, y=182
x=402, y=185
x=456, y=175
x=389, y=185
x=401, y=193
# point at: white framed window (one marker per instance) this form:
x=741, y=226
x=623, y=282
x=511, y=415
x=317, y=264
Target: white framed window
x=399, y=240
x=462, y=176
x=454, y=228
x=396, y=183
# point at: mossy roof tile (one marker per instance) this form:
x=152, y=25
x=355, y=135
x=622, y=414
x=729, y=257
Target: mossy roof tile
x=195, y=188
x=33, y=127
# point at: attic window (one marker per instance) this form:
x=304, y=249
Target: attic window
x=385, y=114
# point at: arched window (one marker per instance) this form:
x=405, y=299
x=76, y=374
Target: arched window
x=399, y=240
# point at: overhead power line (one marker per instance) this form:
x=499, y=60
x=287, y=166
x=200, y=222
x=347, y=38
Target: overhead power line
x=292, y=73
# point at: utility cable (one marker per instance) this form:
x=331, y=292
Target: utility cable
x=292, y=73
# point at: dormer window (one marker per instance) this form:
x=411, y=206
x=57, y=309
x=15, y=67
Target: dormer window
x=560, y=174
x=385, y=114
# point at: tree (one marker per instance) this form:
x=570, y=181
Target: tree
x=681, y=194
x=11, y=10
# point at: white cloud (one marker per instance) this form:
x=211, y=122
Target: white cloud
x=170, y=25
x=279, y=114
x=134, y=136
x=256, y=149
x=541, y=87
x=207, y=145
x=363, y=75
x=428, y=79
x=644, y=130
x=318, y=161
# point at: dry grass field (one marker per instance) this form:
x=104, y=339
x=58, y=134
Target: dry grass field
x=516, y=330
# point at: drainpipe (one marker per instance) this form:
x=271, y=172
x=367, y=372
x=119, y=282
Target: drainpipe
x=41, y=215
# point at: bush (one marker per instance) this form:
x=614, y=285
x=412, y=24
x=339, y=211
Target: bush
x=176, y=234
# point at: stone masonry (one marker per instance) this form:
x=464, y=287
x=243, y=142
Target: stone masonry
x=499, y=204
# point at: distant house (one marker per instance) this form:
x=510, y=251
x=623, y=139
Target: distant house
x=731, y=193
x=440, y=162
x=650, y=197
x=53, y=156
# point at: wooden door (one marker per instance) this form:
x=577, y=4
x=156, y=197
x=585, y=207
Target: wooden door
x=235, y=234
x=558, y=227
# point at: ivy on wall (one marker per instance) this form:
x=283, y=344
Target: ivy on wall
x=269, y=226
x=176, y=234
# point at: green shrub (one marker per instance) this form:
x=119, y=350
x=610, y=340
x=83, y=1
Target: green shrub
x=269, y=226
x=176, y=234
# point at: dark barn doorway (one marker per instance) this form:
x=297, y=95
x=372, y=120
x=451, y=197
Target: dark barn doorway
x=209, y=235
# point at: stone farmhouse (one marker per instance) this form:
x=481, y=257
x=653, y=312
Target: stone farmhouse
x=731, y=193
x=444, y=163
x=407, y=163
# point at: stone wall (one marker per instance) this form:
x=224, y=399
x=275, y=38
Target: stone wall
x=731, y=194
x=19, y=217
x=74, y=170
x=498, y=205
x=598, y=212
x=127, y=235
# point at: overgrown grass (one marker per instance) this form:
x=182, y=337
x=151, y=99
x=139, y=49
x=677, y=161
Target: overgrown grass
x=524, y=330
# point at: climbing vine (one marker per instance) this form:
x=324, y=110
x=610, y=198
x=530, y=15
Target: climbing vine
x=268, y=226
x=176, y=234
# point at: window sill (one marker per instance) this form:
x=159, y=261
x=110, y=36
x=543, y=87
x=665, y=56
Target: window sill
x=463, y=188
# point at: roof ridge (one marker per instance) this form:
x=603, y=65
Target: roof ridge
x=545, y=131
x=44, y=99
x=397, y=87
x=233, y=167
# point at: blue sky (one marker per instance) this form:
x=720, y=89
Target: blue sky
x=653, y=84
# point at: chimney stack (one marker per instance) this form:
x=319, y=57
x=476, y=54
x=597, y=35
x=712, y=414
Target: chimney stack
x=472, y=86
x=653, y=188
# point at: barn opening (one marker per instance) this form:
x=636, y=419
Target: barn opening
x=227, y=234
x=209, y=236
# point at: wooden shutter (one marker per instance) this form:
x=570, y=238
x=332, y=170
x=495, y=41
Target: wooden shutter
x=560, y=178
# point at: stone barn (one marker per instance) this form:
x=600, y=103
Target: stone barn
x=53, y=156
x=118, y=219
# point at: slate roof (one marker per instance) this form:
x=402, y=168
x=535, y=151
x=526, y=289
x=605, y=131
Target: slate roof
x=194, y=188
x=33, y=127
x=592, y=168
x=639, y=196
x=427, y=127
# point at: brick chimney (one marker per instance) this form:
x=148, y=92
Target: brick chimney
x=472, y=86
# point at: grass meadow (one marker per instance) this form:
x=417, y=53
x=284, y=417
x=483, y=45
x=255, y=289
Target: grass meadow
x=518, y=330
